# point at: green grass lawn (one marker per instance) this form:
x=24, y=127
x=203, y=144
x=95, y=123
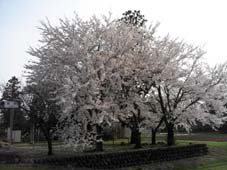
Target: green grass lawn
x=215, y=160
x=43, y=143
x=211, y=144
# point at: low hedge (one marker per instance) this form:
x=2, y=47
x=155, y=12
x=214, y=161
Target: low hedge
x=127, y=158
x=9, y=157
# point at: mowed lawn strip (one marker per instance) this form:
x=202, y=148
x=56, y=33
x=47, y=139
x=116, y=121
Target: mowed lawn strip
x=219, y=137
x=215, y=160
x=214, y=166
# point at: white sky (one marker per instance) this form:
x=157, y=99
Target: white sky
x=200, y=22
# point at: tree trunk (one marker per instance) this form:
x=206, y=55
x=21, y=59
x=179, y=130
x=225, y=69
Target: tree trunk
x=153, y=136
x=133, y=136
x=32, y=134
x=48, y=137
x=137, y=139
x=49, y=142
x=99, y=142
x=170, y=136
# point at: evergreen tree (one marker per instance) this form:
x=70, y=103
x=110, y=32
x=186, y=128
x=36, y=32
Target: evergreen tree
x=133, y=17
x=12, y=89
x=12, y=92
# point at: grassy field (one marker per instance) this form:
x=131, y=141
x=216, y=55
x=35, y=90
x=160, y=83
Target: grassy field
x=215, y=160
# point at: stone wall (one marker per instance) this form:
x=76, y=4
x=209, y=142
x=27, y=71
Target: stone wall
x=127, y=158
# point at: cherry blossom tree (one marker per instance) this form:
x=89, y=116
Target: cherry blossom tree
x=137, y=83
x=186, y=88
x=93, y=62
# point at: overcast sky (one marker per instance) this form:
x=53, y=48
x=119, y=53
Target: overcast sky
x=200, y=22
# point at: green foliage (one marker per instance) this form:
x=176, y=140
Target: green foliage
x=12, y=92
x=12, y=89
x=134, y=18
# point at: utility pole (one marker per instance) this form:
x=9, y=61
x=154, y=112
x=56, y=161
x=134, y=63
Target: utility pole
x=11, y=125
x=32, y=134
x=11, y=105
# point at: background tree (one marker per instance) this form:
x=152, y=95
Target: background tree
x=12, y=92
x=42, y=109
x=134, y=18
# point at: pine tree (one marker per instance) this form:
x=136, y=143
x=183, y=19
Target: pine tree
x=133, y=17
x=12, y=92
x=12, y=89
